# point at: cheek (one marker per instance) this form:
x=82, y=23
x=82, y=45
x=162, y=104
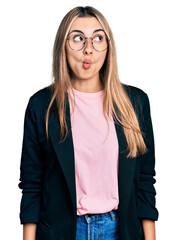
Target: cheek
x=73, y=58
x=101, y=59
x=73, y=62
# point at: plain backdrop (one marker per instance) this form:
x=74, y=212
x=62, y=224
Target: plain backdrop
x=145, y=34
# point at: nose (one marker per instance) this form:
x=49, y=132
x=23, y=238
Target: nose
x=88, y=48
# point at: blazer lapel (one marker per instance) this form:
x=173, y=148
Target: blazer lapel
x=125, y=171
x=65, y=156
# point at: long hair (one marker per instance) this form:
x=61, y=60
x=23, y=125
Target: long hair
x=115, y=95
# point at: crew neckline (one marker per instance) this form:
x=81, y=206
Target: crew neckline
x=86, y=94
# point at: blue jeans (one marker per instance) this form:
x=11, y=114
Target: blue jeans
x=102, y=226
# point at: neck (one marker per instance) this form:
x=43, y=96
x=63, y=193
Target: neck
x=87, y=85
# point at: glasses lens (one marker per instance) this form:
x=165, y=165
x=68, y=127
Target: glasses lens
x=100, y=42
x=76, y=42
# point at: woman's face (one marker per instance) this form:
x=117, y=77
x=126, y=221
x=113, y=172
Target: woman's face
x=75, y=59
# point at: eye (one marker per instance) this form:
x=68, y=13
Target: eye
x=78, y=38
x=98, y=38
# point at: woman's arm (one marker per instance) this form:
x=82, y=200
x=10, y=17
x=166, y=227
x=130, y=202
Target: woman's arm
x=149, y=229
x=29, y=231
x=31, y=169
x=146, y=201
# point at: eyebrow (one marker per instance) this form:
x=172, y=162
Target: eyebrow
x=97, y=30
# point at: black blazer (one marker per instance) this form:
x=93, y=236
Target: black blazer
x=47, y=173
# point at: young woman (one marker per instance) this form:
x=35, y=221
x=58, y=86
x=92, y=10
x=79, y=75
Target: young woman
x=88, y=161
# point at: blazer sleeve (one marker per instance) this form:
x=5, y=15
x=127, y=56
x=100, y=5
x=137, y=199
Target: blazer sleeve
x=146, y=200
x=31, y=169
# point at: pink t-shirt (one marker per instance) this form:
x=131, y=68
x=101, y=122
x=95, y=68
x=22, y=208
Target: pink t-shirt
x=96, y=154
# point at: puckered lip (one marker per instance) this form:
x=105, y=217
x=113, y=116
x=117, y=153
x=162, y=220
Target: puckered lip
x=87, y=61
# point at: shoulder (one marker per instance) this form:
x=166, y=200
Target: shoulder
x=39, y=101
x=42, y=95
x=137, y=96
x=134, y=92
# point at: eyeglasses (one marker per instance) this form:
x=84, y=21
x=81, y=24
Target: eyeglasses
x=77, y=42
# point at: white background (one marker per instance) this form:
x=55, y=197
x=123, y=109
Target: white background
x=146, y=41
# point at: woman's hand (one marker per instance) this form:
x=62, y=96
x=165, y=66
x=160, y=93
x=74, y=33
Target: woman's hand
x=29, y=231
x=149, y=229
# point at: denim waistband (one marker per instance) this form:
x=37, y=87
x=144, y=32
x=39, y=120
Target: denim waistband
x=113, y=213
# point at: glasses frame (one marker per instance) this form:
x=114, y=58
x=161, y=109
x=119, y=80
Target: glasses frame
x=108, y=40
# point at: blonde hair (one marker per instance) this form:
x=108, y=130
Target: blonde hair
x=113, y=88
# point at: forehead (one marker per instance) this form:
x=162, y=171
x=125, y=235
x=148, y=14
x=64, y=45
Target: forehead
x=86, y=24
